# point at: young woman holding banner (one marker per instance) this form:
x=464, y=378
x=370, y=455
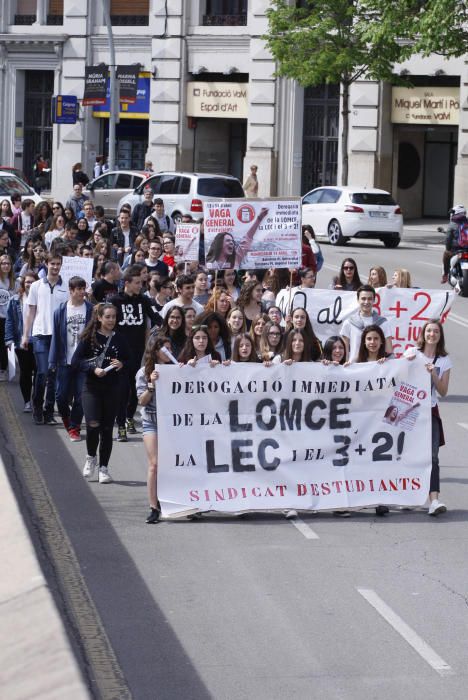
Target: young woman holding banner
x=197, y=347
x=146, y=393
x=372, y=349
x=431, y=346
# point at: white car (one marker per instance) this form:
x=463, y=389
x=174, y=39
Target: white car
x=109, y=188
x=340, y=213
x=12, y=184
x=184, y=193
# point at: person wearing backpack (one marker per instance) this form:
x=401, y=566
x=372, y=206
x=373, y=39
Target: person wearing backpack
x=457, y=232
x=352, y=328
x=165, y=222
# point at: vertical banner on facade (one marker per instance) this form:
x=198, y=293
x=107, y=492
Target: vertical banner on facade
x=406, y=310
x=128, y=83
x=95, y=85
x=252, y=234
x=187, y=240
x=305, y=436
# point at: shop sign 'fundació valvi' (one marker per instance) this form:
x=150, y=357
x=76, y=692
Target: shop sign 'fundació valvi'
x=217, y=100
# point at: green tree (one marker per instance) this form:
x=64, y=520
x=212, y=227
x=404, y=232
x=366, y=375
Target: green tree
x=339, y=41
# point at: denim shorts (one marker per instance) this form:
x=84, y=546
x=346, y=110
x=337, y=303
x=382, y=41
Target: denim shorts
x=149, y=426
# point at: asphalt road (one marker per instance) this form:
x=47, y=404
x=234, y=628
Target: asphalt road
x=259, y=608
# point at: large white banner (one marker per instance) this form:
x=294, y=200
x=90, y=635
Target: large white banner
x=252, y=233
x=304, y=436
x=407, y=310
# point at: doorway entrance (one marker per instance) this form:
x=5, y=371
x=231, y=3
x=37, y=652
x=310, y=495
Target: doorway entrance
x=38, y=92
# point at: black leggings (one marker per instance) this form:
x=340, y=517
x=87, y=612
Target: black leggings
x=100, y=407
x=27, y=370
x=3, y=350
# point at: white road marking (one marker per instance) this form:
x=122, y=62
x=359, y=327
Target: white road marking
x=457, y=319
x=463, y=425
x=423, y=262
x=409, y=635
x=303, y=528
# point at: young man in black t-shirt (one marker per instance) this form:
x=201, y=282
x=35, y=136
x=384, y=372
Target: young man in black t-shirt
x=108, y=285
x=135, y=316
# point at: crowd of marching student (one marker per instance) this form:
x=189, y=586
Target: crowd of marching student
x=93, y=352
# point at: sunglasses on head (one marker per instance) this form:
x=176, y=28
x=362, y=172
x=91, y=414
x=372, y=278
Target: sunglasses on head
x=201, y=327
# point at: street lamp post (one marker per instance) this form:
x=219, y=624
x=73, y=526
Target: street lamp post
x=114, y=104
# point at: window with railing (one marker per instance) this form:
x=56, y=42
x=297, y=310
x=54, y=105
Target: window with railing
x=129, y=13
x=55, y=12
x=225, y=13
x=25, y=12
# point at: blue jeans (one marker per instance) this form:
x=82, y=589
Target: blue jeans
x=69, y=387
x=44, y=382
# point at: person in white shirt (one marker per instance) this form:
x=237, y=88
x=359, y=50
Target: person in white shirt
x=185, y=285
x=44, y=297
x=352, y=328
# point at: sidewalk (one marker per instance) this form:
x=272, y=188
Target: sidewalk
x=36, y=660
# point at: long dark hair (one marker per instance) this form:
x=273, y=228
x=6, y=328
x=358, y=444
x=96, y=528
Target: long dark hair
x=189, y=352
x=265, y=348
x=311, y=339
x=209, y=317
x=245, y=295
x=89, y=333
x=328, y=348
x=216, y=248
x=253, y=357
x=177, y=337
x=153, y=346
x=38, y=217
x=288, y=352
x=356, y=281
x=440, y=347
x=363, y=354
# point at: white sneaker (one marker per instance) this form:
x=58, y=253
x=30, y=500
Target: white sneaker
x=104, y=476
x=27, y=407
x=291, y=513
x=436, y=508
x=89, y=467
x=3, y=375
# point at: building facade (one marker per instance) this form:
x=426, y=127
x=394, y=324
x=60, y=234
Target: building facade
x=209, y=101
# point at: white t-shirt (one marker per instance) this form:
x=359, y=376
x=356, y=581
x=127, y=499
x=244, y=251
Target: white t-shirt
x=442, y=365
x=350, y=331
x=46, y=299
x=76, y=321
x=175, y=302
x=126, y=235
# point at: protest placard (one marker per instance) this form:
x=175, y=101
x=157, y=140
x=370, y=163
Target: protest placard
x=305, y=436
x=74, y=265
x=187, y=239
x=406, y=310
x=252, y=234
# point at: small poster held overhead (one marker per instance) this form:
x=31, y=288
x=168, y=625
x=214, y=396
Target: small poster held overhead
x=187, y=240
x=252, y=234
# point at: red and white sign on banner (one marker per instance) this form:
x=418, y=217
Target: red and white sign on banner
x=252, y=234
x=187, y=240
x=407, y=310
x=304, y=436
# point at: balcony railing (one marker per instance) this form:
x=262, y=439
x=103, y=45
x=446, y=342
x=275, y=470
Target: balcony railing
x=224, y=20
x=54, y=20
x=25, y=19
x=129, y=20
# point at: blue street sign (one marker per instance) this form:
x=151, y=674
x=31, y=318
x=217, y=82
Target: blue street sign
x=64, y=109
